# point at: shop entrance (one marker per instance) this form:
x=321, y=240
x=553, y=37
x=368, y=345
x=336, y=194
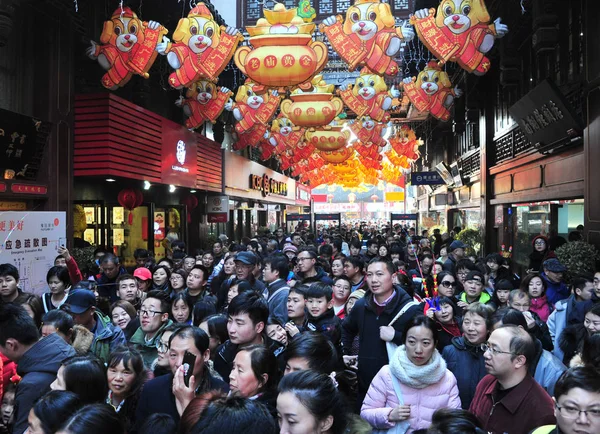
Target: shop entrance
x=404, y=218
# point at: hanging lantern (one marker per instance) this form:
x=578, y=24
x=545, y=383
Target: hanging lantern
x=330, y=197
x=191, y=202
x=284, y=134
x=369, y=96
x=432, y=91
x=130, y=198
x=128, y=47
x=367, y=130
x=374, y=198
x=204, y=101
x=378, y=46
x=328, y=139
x=459, y=34
x=338, y=156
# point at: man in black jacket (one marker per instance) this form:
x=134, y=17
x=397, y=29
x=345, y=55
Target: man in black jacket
x=370, y=318
x=38, y=360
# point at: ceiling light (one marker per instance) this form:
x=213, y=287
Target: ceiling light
x=171, y=189
x=110, y=180
x=147, y=185
x=192, y=191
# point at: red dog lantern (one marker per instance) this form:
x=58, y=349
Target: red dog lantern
x=204, y=101
x=369, y=96
x=369, y=131
x=128, y=47
x=191, y=202
x=130, y=198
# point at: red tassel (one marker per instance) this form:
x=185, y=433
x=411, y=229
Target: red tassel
x=130, y=218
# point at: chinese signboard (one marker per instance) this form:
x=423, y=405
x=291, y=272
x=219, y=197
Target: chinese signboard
x=217, y=209
x=302, y=194
x=426, y=178
x=268, y=185
x=29, y=241
x=179, y=159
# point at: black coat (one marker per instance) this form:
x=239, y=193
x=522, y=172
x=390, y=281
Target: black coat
x=329, y=325
x=364, y=322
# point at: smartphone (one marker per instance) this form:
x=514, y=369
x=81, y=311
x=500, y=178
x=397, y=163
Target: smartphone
x=189, y=360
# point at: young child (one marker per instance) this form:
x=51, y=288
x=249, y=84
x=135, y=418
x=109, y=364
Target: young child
x=296, y=309
x=8, y=407
x=341, y=292
x=535, y=286
x=321, y=318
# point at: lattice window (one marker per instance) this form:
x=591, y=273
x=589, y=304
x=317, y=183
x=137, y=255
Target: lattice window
x=253, y=10
x=325, y=7
x=400, y=5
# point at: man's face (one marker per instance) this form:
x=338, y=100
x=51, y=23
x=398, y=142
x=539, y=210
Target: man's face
x=60, y=262
x=493, y=265
x=306, y=262
x=499, y=364
x=354, y=251
x=111, y=270
x=208, y=260
x=269, y=275
x=473, y=288
x=128, y=290
x=587, y=291
x=195, y=279
x=279, y=233
x=295, y=305
x=151, y=316
x=379, y=279
x=241, y=330
x=373, y=249
x=243, y=271
x=297, y=240
x=521, y=304
x=569, y=417
x=597, y=284
x=85, y=319
x=426, y=265
x=350, y=270
x=459, y=253
x=553, y=276
x=179, y=345
x=188, y=264
x=8, y=286
x=217, y=248
x=140, y=262
x=411, y=249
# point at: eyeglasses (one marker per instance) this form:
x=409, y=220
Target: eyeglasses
x=448, y=284
x=150, y=313
x=176, y=277
x=303, y=259
x=539, y=242
x=461, y=273
x=520, y=306
x=162, y=347
x=569, y=412
x=486, y=347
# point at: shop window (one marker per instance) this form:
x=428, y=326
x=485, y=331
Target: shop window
x=466, y=218
x=429, y=219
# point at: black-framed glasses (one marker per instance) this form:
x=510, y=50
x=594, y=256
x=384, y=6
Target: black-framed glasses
x=448, y=284
x=304, y=259
x=150, y=313
x=486, y=347
x=569, y=412
x=161, y=347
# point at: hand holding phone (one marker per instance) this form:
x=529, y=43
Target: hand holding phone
x=189, y=361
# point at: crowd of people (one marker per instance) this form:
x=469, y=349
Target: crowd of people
x=353, y=330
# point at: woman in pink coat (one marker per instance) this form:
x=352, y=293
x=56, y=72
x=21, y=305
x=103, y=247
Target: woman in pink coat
x=418, y=374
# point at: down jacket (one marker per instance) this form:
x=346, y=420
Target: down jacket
x=381, y=400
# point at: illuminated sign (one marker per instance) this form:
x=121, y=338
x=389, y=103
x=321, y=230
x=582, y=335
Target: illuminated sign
x=268, y=185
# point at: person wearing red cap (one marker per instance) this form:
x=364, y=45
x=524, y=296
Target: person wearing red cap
x=143, y=277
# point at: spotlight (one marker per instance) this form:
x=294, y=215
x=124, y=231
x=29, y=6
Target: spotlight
x=110, y=180
x=171, y=189
x=147, y=185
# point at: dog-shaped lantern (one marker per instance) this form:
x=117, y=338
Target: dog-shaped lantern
x=127, y=47
x=253, y=113
x=202, y=48
x=367, y=130
x=203, y=102
x=432, y=91
x=459, y=32
x=284, y=135
x=369, y=96
x=368, y=36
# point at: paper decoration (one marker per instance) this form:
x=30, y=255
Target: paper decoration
x=201, y=49
x=367, y=130
x=459, y=32
x=338, y=156
x=367, y=37
x=369, y=96
x=128, y=46
x=432, y=91
x=203, y=102
x=328, y=139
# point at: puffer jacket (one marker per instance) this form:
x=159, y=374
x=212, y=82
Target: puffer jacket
x=467, y=365
x=381, y=399
x=540, y=306
x=546, y=369
x=555, y=291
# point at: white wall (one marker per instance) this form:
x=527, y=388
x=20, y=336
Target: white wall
x=228, y=10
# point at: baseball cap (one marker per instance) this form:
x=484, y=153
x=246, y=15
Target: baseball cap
x=247, y=258
x=554, y=266
x=80, y=300
x=142, y=273
x=457, y=244
x=475, y=275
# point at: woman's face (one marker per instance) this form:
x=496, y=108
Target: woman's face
x=120, y=317
x=474, y=329
x=447, y=287
x=56, y=285
x=214, y=341
x=188, y=263
x=350, y=305
x=337, y=268
x=462, y=275
x=59, y=383
x=419, y=345
x=446, y=314
x=502, y=295
x=444, y=252
x=383, y=251
x=277, y=333
x=536, y=287
x=233, y=291
x=592, y=323
x=159, y=277
x=121, y=379
x=294, y=417
x=180, y=311
x=242, y=380
x=437, y=269
x=177, y=281
x=34, y=424
x=163, y=350
x=229, y=266
x=540, y=245
x=207, y=260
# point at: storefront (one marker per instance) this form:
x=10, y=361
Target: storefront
x=258, y=196
x=464, y=207
x=141, y=181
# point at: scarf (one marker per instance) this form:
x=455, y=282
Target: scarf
x=417, y=377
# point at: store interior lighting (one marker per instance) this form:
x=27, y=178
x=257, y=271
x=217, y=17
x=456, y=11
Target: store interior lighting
x=147, y=185
x=171, y=189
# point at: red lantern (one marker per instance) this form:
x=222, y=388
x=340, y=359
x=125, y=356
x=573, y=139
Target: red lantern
x=374, y=197
x=130, y=199
x=191, y=202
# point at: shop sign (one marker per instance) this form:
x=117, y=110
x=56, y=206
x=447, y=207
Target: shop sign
x=12, y=206
x=268, y=185
x=29, y=189
x=426, y=178
x=397, y=217
x=297, y=217
x=394, y=196
x=302, y=194
x=179, y=164
x=217, y=209
x=30, y=241
x=336, y=207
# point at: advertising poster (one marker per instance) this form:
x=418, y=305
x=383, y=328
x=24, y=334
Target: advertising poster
x=29, y=241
